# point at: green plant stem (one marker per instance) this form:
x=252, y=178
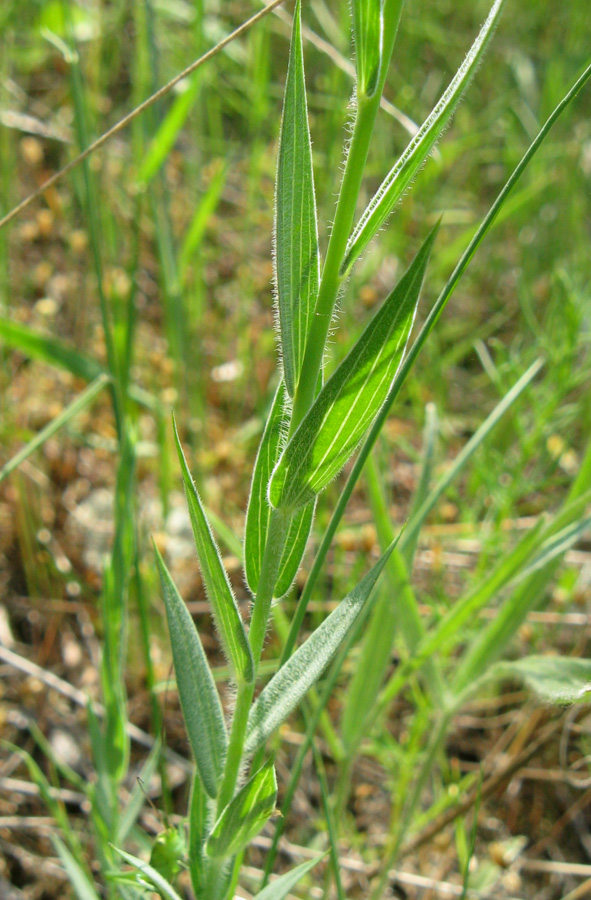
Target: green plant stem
x=235, y=745
x=278, y=529
x=331, y=281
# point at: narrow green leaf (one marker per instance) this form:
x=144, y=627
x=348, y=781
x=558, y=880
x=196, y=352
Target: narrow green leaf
x=48, y=349
x=79, y=403
x=202, y=710
x=287, y=688
x=168, y=131
x=296, y=232
x=83, y=887
x=555, y=679
x=403, y=172
x=219, y=591
x=245, y=815
x=258, y=514
x=352, y=397
x=281, y=887
x=368, y=31
x=149, y=875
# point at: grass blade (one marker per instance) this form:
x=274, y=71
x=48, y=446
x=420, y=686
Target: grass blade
x=411, y=532
x=202, y=710
x=296, y=232
x=285, y=690
x=403, y=172
x=47, y=349
x=280, y=888
x=83, y=887
x=219, y=591
x=258, y=515
x=79, y=403
x=245, y=815
x=352, y=397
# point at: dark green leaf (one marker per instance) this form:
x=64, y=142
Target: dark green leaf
x=350, y=400
x=296, y=232
x=245, y=815
x=259, y=511
x=368, y=28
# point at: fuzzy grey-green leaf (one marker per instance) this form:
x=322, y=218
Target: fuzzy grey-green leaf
x=287, y=688
x=245, y=815
x=219, y=591
x=555, y=679
x=200, y=702
x=258, y=514
x=296, y=231
x=350, y=400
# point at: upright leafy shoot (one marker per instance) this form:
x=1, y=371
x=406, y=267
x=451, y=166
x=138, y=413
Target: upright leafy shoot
x=296, y=233
x=350, y=400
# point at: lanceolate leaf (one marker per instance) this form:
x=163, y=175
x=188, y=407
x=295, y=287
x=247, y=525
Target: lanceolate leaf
x=403, y=172
x=368, y=29
x=287, y=688
x=202, y=710
x=296, y=233
x=351, y=398
x=219, y=591
x=259, y=511
x=245, y=815
x=281, y=887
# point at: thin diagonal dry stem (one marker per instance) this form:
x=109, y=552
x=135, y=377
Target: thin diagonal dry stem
x=129, y=118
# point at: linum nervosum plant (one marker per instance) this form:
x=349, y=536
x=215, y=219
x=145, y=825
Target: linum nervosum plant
x=314, y=427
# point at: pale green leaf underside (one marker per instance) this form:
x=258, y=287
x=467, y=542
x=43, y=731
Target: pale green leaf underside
x=368, y=32
x=281, y=887
x=403, y=172
x=555, y=679
x=350, y=400
x=296, y=231
x=200, y=702
x=219, y=591
x=245, y=815
x=287, y=688
x=258, y=514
